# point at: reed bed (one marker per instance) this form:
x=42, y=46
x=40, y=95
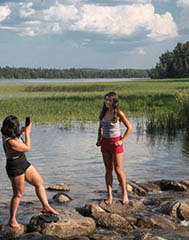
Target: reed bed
x=160, y=101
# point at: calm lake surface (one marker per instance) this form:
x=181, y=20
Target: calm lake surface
x=29, y=81
x=71, y=156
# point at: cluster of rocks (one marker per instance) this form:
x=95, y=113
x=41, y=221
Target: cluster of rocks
x=155, y=212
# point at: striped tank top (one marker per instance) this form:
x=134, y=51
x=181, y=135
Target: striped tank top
x=110, y=129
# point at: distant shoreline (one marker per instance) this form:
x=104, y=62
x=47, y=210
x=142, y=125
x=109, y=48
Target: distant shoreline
x=71, y=73
x=64, y=80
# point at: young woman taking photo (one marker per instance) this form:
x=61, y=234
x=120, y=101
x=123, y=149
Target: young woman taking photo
x=18, y=168
x=111, y=142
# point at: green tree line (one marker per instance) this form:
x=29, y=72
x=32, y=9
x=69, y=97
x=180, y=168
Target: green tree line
x=34, y=73
x=173, y=64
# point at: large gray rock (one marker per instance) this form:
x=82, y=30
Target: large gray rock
x=113, y=221
x=69, y=224
x=90, y=209
x=59, y=187
x=136, y=189
x=155, y=222
x=148, y=186
x=178, y=209
x=117, y=207
x=8, y=232
x=105, y=236
x=61, y=198
x=166, y=185
x=31, y=236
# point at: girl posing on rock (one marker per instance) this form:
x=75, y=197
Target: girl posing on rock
x=111, y=142
x=18, y=168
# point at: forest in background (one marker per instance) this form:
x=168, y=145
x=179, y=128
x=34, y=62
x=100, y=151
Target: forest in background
x=172, y=64
x=36, y=73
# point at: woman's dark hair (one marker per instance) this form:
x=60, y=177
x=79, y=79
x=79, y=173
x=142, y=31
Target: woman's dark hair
x=115, y=105
x=11, y=127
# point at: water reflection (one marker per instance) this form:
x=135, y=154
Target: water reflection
x=71, y=156
x=185, y=150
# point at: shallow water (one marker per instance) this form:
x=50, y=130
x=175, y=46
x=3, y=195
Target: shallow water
x=71, y=156
x=64, y=80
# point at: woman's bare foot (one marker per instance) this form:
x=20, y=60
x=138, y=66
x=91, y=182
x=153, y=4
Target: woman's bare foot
x=109, y=201
x=15, y=225
x=125, y=200
x=50, y=210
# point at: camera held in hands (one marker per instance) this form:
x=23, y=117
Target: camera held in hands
x=27, y=122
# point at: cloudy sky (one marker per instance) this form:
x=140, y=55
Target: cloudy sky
x=90, y=33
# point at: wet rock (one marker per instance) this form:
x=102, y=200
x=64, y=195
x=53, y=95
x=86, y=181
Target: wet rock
x=155, y=222
x=183, y=210
x=90, y=209
x=166, y=185
x=70, y=224
x=149, y=186
x=176, y=209
x=31, y=236
x=79, y=238
x=151, y=201
x=10, y=233
x=47, y=237
x=59, y=187
x=112, y=236
x=117, y=207
x=136, y=189
x=185, y=183
x=113, y=221
x=147, y=236
x=169, y=208
x=62, y=198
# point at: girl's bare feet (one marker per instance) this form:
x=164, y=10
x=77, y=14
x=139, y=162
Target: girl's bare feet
x=109, y=201
x=14, y=224
x=125, y=200
x=49, y=209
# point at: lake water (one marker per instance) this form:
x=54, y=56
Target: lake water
x=29, y=81
x=71, y=156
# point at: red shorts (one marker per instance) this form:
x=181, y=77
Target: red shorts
x=108, y=145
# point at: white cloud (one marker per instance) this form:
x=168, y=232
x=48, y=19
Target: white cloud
x=121, y=21
x=139, y=51
x=162, y=27
x=135, y=1
x=56, y=27
x=28, y=31
x=116, y=21
x=4, y=12
x=7, y=28
x=60, y=12
x=183, y=3
x=26, y=9
x=32, y=23
x=161, y=1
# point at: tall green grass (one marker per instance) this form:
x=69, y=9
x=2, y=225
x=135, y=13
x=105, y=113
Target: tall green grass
x=160, y=101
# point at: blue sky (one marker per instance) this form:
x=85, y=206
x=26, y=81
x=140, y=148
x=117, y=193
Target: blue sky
x=90, y=33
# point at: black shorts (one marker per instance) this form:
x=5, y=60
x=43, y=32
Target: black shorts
x=16, y=167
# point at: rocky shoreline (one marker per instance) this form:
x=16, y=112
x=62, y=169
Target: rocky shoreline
x=158, y=210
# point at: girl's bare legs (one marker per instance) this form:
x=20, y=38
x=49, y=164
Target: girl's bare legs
x=109, y=175
x=118, y=158
x=18, y=189
x=34, y=178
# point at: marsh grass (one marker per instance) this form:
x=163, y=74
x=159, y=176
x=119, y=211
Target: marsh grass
x=158, y=100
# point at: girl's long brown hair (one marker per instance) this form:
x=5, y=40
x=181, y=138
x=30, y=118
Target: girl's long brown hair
x=115, y=105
